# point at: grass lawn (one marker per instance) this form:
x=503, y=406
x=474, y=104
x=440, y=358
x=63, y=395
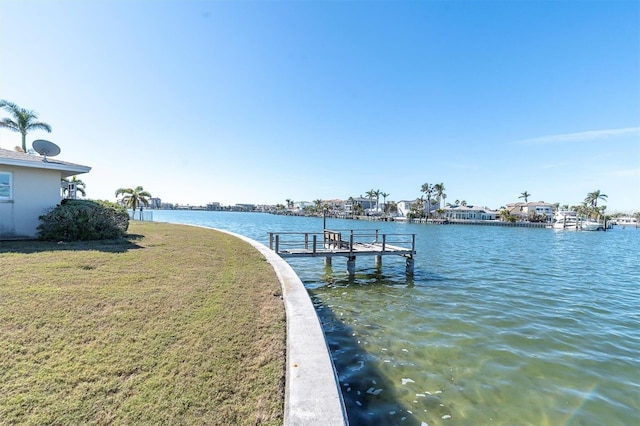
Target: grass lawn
x=174, y=325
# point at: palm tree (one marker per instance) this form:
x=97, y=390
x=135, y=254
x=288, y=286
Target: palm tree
x=463, y=203
x=593, y=197
x=438, y=188
x=428, y=190
x=525, y=195
x=384, y=200
x=506, y=216
x=133, y=198
x=392, y=208
x=417, y=208
x=318, y=205
x=357, y=209
x=80, y=186
x=371, y=194
x=23, y=121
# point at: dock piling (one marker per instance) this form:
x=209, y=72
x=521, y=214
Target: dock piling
x=409, y=266
x=351, y=265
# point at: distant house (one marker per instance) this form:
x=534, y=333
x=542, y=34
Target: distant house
x=29, y=187
x=468, y=212
x=524, y=210
x=299, y=206
x=367, y=204
x=155, y=203
x=404, y=207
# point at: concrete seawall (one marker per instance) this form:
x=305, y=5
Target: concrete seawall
x=312, y=392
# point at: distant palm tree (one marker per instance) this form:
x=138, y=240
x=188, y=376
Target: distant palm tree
x=463, y=203
x=80, y=186
x=417, y=208
x=289, y=203
x=438, y=188
x=371, y=194
x=23, y=121
x=357, y=209
x=318, y=205
x=133, y=198
x=384, y=198
x=593, y=197
x=428, y=190
x=583, y=209
x=392, y=208
x=377, y=193
x=525, y=195
x=506, y=216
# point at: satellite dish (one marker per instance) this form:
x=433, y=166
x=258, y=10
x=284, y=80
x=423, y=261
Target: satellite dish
x=45, y=148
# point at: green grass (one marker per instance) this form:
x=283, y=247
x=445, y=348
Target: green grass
x=174, y=325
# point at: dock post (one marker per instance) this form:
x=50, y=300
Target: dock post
x=378, y=260
x=410, y=265
x=351, y=265
x=327, y=261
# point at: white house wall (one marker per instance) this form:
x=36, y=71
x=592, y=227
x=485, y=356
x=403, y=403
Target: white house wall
x=35, y=191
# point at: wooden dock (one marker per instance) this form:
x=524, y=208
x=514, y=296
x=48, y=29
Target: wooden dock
x=345, y=243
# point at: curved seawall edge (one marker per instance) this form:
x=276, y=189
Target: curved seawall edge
x=312, y=392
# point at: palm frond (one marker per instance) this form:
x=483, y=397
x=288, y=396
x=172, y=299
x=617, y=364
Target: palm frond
x=40, y=126
x=9, y=106
x=8, y=123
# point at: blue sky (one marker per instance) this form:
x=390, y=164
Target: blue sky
x=263, y=101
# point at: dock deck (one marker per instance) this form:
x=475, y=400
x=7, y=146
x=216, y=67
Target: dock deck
x=345, y=243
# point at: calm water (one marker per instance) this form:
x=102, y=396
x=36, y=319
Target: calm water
x=502, y=326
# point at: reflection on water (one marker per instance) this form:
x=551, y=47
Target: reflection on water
x=498, y=325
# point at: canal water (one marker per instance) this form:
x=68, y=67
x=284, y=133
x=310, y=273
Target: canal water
x=498, y=325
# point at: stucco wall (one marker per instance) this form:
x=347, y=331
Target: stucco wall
x=35, y=191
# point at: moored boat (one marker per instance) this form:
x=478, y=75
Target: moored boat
x=569, y=220
x=627, y=221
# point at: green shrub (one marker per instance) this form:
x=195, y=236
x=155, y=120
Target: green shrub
x=74, y=220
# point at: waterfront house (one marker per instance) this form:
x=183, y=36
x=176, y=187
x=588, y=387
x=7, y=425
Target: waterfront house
x=468, y=212
x=300, y=206
x=30, y=185
x=404, y=207
x=524, y=211
x=368, y=205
